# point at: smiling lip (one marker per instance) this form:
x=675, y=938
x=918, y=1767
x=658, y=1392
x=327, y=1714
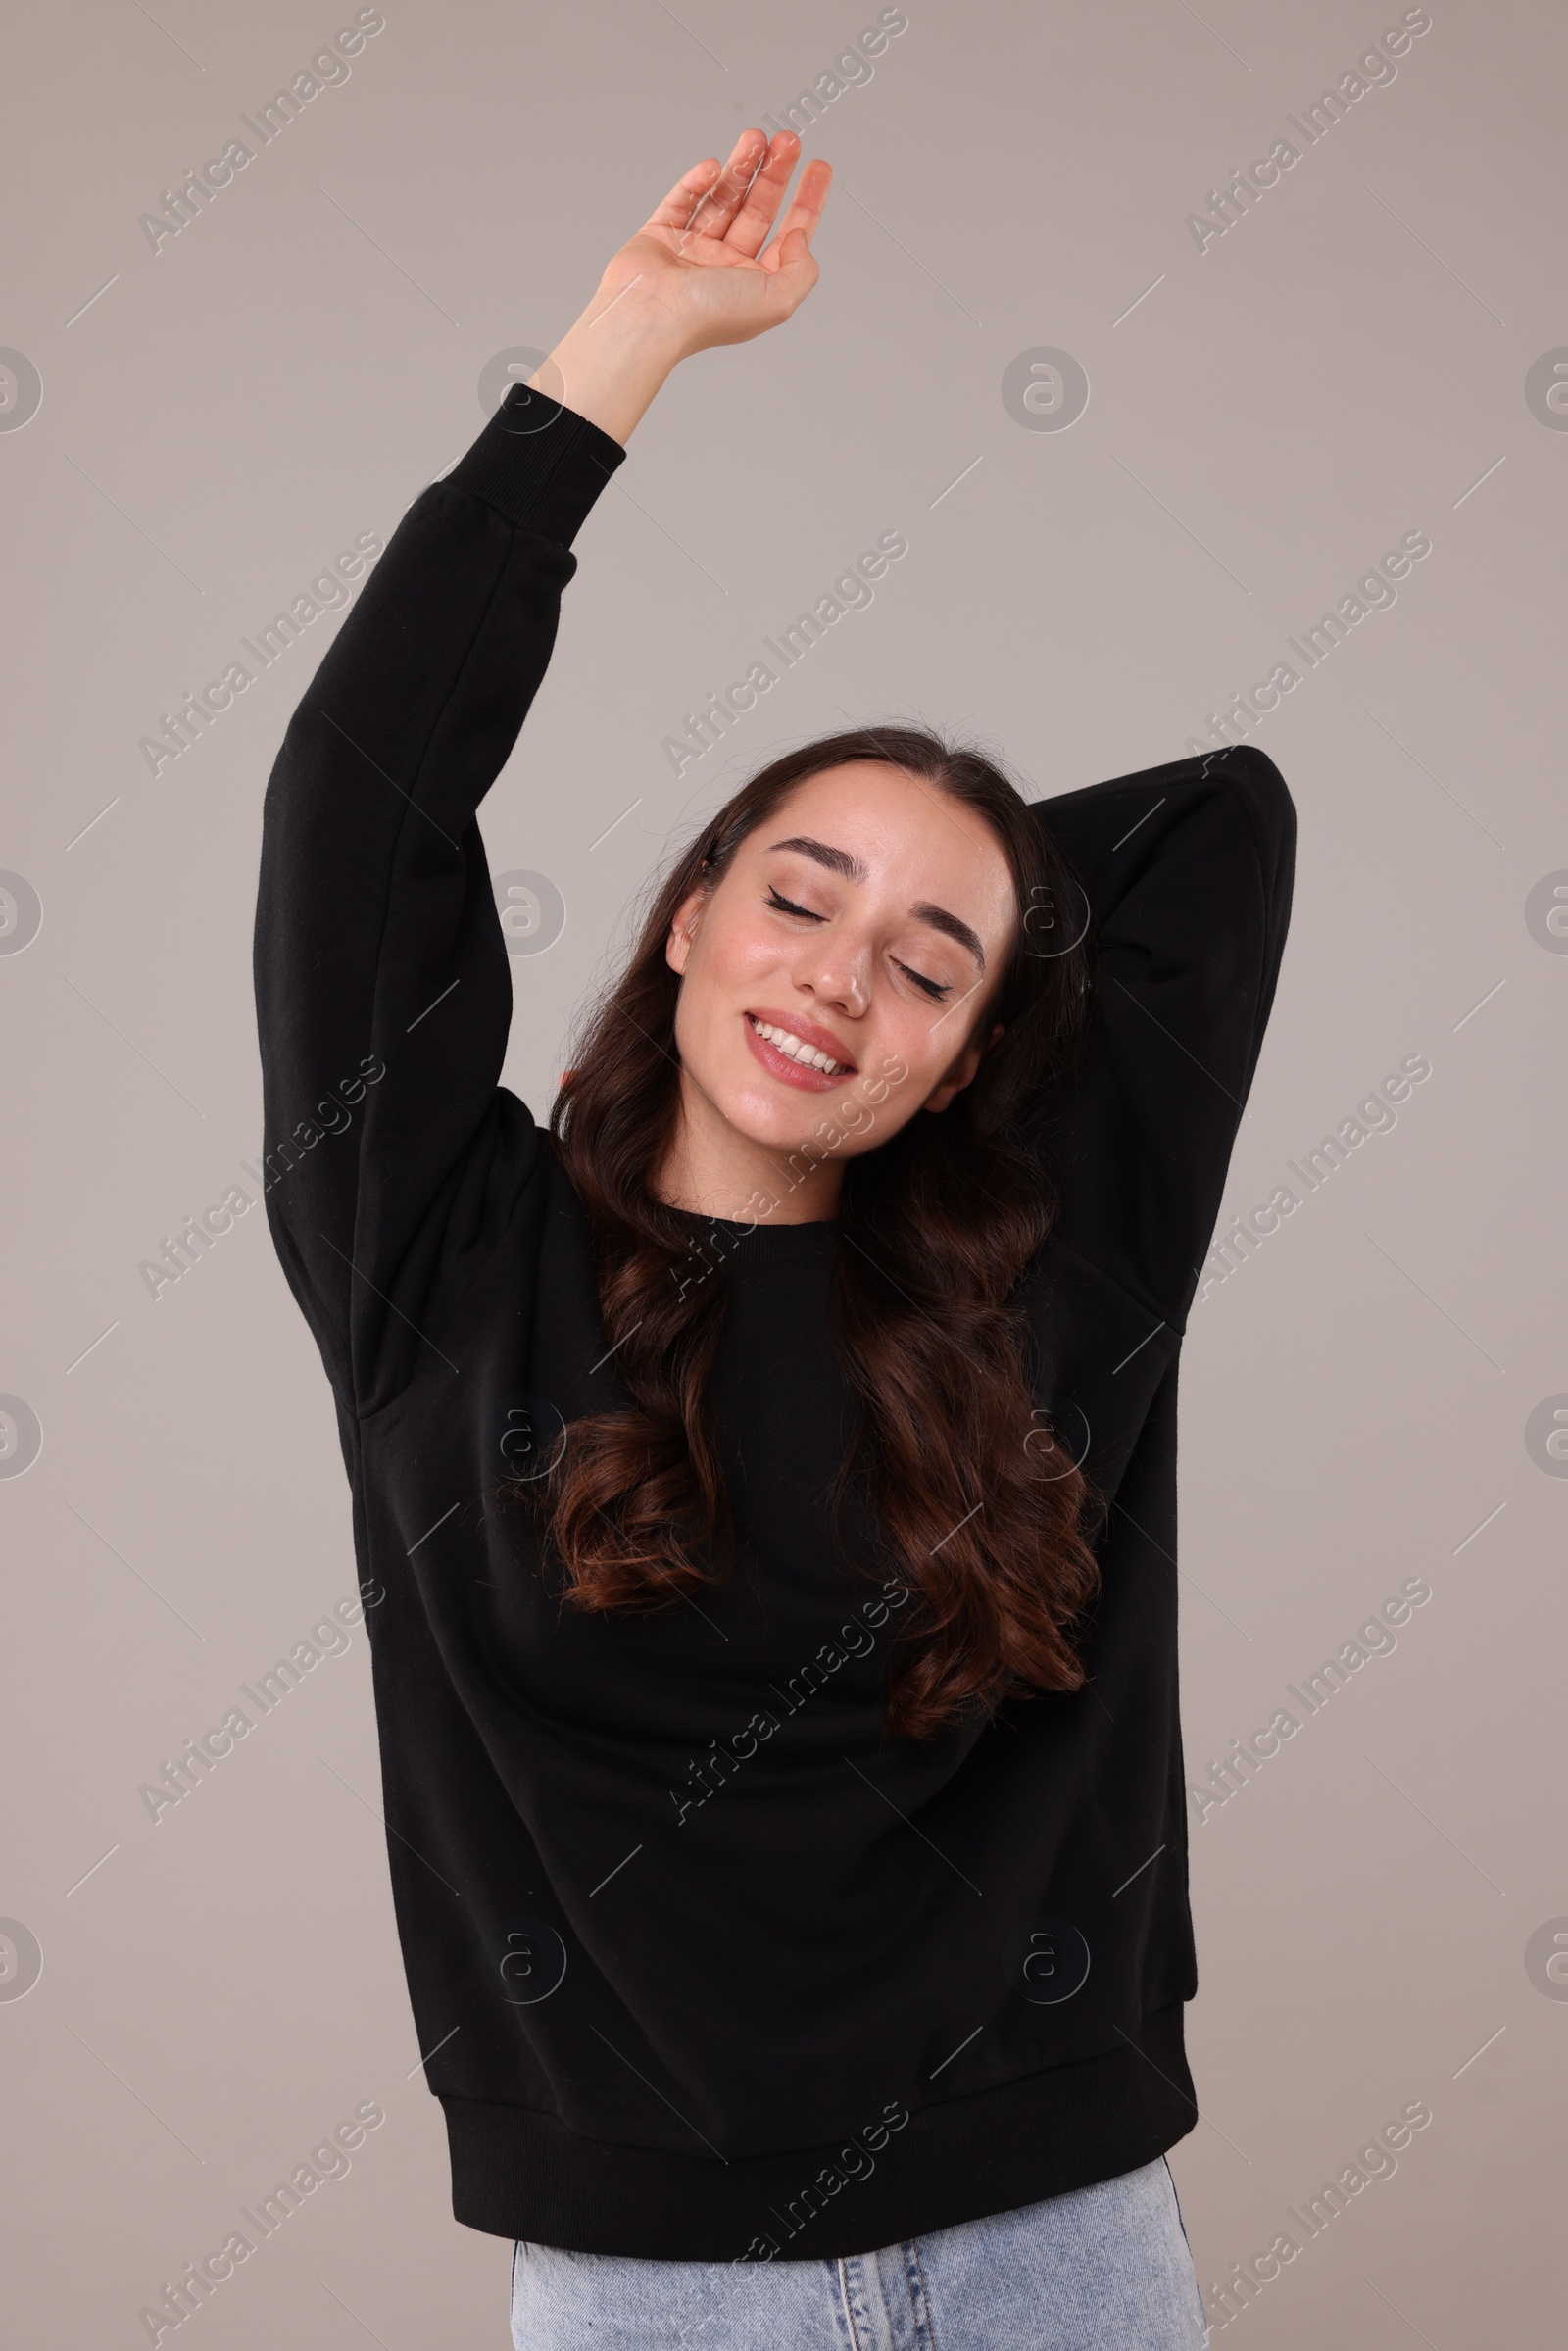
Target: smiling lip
x=782, y=1065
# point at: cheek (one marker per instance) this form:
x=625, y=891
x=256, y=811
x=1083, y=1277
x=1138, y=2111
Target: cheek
x=925, y=1042
x=731, y=962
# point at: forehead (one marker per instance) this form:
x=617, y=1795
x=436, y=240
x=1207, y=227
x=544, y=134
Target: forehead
x=912, y=839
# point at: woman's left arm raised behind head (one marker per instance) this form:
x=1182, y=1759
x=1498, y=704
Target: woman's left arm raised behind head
x=1188, y=871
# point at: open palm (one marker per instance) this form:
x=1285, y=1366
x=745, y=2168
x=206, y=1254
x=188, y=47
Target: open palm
x=698, y=260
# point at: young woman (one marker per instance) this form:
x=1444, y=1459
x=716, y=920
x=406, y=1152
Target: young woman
x=764, y=1481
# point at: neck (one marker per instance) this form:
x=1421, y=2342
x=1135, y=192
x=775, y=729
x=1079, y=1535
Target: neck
x=712, y=1170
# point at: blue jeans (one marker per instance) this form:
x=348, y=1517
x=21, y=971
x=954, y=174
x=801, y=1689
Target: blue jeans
x=1101, y=2269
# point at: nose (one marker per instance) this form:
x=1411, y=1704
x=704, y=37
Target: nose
x=837, y=973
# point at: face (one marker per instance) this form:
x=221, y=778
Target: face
x=833, y=980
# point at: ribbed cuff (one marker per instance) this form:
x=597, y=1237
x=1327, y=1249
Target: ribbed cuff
x=539, y=463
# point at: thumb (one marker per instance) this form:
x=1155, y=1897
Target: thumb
x=797, y=272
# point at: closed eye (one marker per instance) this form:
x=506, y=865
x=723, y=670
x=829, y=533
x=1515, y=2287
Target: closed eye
x=785, y=905
x=936, y=988
x=781, y=905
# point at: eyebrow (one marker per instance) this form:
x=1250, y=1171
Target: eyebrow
x=842, y=861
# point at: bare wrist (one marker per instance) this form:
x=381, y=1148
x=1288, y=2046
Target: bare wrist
x=609, y=364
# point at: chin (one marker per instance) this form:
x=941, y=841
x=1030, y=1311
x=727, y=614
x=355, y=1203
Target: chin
x=763, y=1114
x=764, y=1098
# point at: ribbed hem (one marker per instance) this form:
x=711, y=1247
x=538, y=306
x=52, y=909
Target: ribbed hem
x=520, y=2174
x=539, y=463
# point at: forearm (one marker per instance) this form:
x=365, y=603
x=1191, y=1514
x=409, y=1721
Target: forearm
x=609, y=366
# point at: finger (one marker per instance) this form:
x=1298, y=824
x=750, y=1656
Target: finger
x=705, y=201
x=686, y=194
x=755, y=218
x=800, y=221
x=717, y=209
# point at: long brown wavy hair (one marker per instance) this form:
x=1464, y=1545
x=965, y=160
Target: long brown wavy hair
x=986, y=1529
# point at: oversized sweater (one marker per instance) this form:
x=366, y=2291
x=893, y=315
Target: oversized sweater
x=704, y=1965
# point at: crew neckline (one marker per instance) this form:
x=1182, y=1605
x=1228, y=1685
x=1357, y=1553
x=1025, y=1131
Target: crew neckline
x=733, y=1224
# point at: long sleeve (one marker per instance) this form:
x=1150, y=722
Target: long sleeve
x=383, y=987
x=1188, y=870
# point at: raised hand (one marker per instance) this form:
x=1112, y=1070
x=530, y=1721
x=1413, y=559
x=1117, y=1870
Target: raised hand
x=700, y=258
x=699, y=272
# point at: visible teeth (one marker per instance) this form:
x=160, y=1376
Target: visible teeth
x=784, y=1042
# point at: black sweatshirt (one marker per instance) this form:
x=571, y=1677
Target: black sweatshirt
x=707, y=1967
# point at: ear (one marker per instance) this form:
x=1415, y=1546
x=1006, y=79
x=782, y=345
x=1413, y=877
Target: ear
x=683, y=930
x=963, y=1072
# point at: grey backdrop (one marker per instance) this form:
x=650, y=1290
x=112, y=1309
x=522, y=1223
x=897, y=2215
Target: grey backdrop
x=1371, y=1396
